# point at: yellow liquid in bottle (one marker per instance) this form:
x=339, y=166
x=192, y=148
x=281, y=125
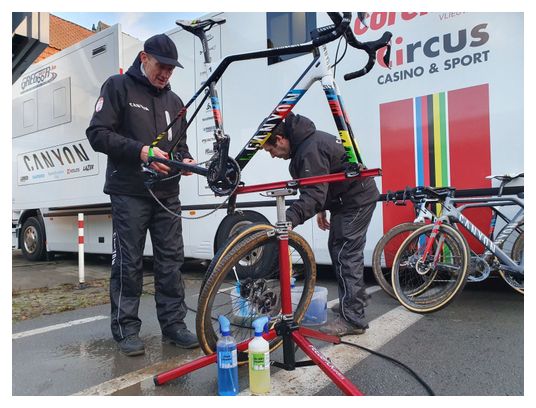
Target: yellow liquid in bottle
x=259, y=373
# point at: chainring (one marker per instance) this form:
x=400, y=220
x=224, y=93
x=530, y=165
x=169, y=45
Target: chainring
x=230, y=180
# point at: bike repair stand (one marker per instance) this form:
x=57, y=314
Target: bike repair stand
x=287, y=328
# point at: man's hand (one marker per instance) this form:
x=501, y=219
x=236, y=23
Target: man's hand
x=322, y=221
x=160, y=167
x=188, y=161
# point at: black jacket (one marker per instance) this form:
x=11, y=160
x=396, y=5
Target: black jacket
x=128, y=115
x=316, y=153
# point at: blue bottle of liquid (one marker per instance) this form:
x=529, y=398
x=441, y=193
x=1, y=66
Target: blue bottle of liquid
x=227, y=360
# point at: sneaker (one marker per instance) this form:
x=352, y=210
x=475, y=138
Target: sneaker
x=340, y=327
x=131, y=345
x=183, y=338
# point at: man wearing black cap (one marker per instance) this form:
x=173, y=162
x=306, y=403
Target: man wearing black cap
x=351, y=204
x=130, y=111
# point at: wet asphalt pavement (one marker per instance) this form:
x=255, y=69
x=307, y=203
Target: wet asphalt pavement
x=472, y=347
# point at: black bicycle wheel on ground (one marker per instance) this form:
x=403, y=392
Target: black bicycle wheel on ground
x=243, y=299
x=517, y=254
x=385, y=251
x=425, y=285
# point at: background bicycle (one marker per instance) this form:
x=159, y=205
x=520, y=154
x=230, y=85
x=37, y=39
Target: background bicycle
x=422, y=201
x=431, y=266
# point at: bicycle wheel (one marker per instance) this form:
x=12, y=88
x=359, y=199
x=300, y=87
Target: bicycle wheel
x=253, y=258
x=517, y=254
x=385, y=251
x=244, y=298
x=427, y=285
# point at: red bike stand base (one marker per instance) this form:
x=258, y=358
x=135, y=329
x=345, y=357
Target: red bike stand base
x=290, y=333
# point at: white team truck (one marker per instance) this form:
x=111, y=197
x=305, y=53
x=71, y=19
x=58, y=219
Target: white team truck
x=455, y=83
x=56, y=173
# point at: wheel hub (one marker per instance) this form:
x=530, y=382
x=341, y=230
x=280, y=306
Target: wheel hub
x=30, y=239
x=259, y=295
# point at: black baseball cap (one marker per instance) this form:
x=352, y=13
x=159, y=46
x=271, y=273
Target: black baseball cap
x=163, y=49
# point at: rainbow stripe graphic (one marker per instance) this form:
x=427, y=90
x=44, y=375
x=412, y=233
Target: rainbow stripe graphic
x=438, y=140
x=431, y=141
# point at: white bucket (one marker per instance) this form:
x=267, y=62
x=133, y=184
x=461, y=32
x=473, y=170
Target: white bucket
x=317, y=312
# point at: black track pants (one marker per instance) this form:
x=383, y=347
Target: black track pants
x=347, y=237
x=132, y=217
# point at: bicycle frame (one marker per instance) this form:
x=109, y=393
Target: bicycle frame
x=318, y=70
x=423, y=213
x=452, y=213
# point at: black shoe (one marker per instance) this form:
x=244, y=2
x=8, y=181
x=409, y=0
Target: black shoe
x=131, y=345
x=340, y=327
x=336, y=308
x=183, y=338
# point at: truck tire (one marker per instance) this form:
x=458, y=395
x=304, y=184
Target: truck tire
x=233, y=222
x=258, y=259
x=32, y=240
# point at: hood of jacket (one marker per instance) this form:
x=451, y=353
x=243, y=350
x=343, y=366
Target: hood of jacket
x=135, y=72
x=298, y=128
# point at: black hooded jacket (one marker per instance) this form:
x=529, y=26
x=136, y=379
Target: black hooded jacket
x=128, y=115
x=316, y=153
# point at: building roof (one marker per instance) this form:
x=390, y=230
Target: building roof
x=63, y=34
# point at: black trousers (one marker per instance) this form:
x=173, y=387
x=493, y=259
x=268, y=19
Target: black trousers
x=347, y=238
x=131, y=218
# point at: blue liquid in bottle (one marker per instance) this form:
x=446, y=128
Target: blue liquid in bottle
x=227, y=361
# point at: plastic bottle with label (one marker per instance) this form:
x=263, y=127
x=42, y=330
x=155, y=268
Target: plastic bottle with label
x=259, y=359
x=227, y=360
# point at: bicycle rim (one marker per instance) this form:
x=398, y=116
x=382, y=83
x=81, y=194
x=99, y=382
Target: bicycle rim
x=244, y=298
x=385, y=251
x=426, y=285
x=517, y=254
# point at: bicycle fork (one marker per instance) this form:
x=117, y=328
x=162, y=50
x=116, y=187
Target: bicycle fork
x=428, y=248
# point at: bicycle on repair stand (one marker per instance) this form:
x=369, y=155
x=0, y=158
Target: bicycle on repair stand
x=260, y=291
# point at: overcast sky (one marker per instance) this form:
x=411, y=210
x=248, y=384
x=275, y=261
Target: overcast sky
x=138, y=25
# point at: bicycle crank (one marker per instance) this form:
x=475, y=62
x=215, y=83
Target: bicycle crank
x=223, y=183
x=480, y=270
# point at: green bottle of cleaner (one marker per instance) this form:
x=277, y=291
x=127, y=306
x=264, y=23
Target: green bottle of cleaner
x=259, y=359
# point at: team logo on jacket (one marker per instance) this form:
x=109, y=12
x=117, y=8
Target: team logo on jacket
x=99, y=104
x=138, y=105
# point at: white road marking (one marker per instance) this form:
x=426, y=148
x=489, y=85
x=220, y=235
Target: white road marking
x=308, y=380
x=143, y=376
x=57, y=327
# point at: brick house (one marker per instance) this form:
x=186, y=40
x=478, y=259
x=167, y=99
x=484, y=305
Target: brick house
x=63, y=34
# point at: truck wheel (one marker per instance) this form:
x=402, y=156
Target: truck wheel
x=262, y=258
x=33, y=240
x=232, y=223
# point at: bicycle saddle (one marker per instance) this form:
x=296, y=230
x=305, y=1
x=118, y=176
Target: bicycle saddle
x=193, y=25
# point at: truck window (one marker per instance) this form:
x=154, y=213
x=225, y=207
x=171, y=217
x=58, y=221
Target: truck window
x=287, y=29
